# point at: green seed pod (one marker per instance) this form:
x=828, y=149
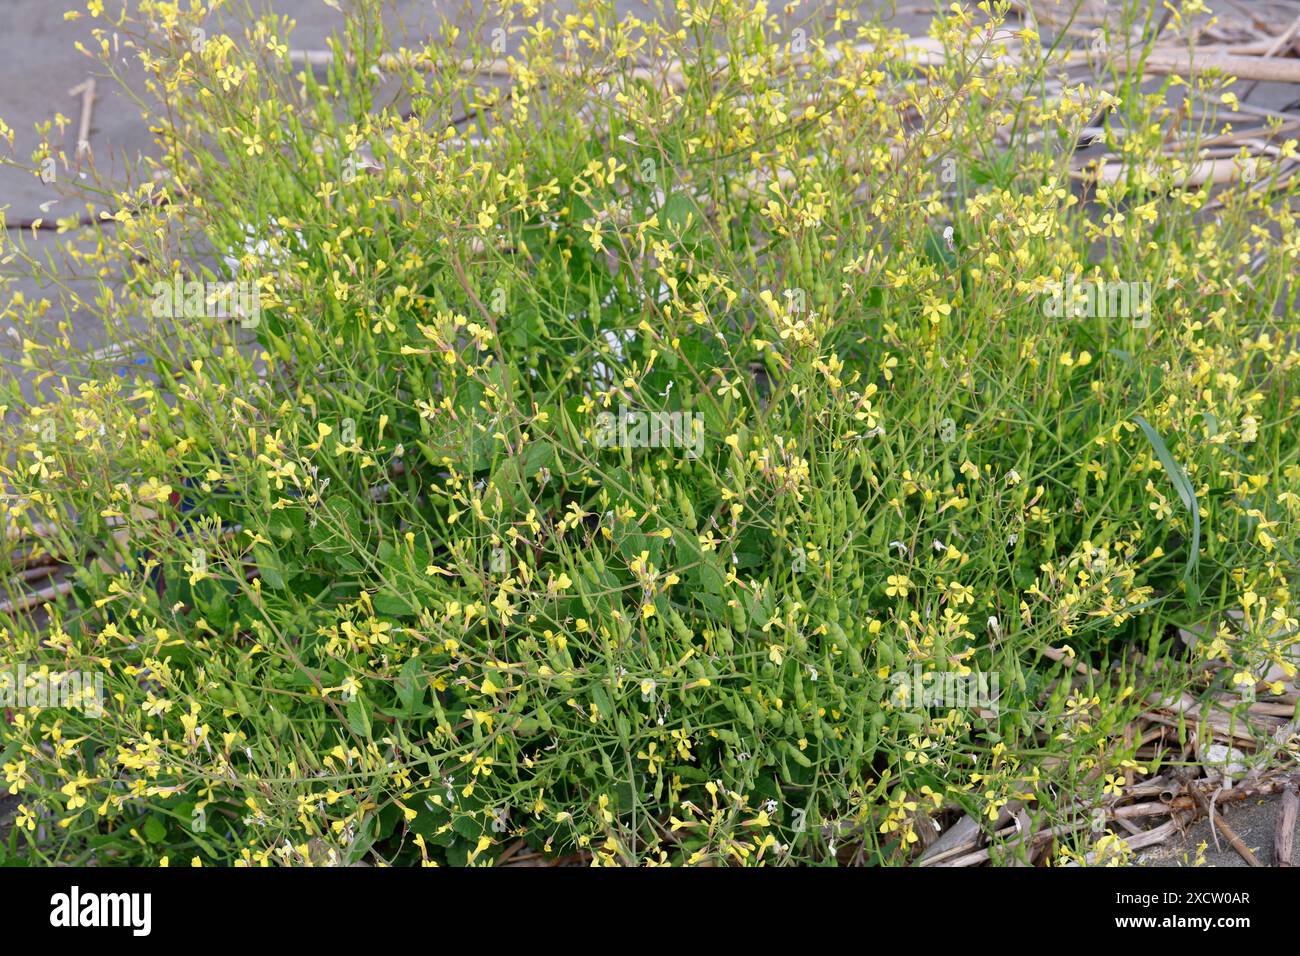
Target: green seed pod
x=910, y=722
x=800, y=696
x=786, y=777
x=741, y=710
x=885, y=653
x=680, y=630
x=797, y=755
x=873, y=735
x=833, y=616
x=687, y=509
x=738, y=619
x=544, y=719
x=526, y=726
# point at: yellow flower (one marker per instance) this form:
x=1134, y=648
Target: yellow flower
x=936, y=311
x=154, y=490
x=483, y=843
x=899, y=585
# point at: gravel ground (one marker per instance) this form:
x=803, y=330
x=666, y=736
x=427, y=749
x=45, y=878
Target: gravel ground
x=8, y=809
x=1255, y=821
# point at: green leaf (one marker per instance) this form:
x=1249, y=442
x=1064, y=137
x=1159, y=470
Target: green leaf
x=358, y=717
x=410, y=684
x=1183, y=485
x=268, y=563
x=392, y=604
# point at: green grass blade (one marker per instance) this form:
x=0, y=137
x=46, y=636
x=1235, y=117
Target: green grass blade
x=1184, y=487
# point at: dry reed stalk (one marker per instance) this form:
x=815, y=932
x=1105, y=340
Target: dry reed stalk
x=1218, y=825
x=13, y=532
x=36, y=573
x=1216, y=171
x=1246, y=135
x=1152, y=808
x=29, y=559
x=86, y=90
x=1230, y=728
x=1269, y=70
x=1148, y=788
x=1280, y=43
x=956, y=840
x=390, y=61
x=1245, y=728
x=43, y=596
x=1036, y=840
x=1284, y=839
x=1270, y=709
x=964, y=836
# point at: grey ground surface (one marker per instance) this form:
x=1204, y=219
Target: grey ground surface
x=41, y=64
x=1255, y=821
